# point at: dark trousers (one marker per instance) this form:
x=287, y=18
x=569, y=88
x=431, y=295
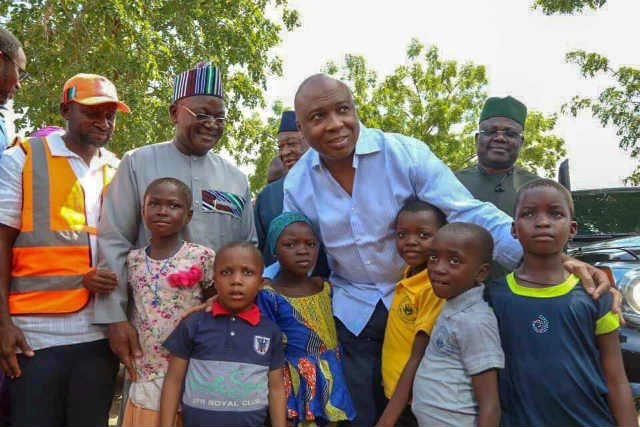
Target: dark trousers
x=362, y=364
x=70, y=385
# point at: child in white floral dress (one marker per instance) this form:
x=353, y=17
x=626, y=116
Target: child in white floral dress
x=165, y=278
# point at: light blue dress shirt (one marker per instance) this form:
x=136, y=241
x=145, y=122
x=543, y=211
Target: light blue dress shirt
x=357, y=230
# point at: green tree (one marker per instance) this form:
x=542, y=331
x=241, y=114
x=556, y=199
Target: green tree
x=141, y=45
x=567, y=6
x=438, y=101
x=260, y=144
x=618, y=104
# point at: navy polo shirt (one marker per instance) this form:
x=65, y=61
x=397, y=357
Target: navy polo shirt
x=552, y=373
x=226, y=383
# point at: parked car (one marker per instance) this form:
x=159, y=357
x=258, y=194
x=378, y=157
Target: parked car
x=609, y=238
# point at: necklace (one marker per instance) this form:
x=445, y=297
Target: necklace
x=155, y=302
x=520, y=279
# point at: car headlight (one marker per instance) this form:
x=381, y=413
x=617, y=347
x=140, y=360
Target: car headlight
x=629, y=285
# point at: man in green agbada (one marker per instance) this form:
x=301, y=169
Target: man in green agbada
x=496, y=178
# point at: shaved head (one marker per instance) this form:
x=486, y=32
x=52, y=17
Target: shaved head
x=322, y=79
x=326, y=116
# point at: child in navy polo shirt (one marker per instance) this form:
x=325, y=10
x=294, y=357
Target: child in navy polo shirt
x=563, y=363
x=226, y=364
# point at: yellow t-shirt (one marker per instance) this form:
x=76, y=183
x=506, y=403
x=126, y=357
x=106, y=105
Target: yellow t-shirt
x=414, y=308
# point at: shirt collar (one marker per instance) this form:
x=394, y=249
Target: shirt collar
x=367, y=143
x=250, y=315
x=464, y=300
x=416, y=281
x=483, y=171
x=59, y=149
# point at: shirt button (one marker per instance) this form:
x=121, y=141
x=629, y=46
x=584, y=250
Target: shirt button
x=232, y=333
x=233, y=319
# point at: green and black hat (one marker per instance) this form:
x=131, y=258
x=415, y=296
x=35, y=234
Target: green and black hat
x=508, y=107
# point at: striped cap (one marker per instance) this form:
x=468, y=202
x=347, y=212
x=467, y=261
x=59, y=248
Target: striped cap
x=204, y=79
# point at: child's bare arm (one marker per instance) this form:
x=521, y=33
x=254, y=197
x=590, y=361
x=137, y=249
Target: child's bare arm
x=402, y=394
x=619, y=397
x=485, y=390
x=171, y=390
x=277, y=399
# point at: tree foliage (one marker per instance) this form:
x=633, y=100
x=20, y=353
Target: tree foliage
x=260, y=144
x=550, y=7
x=141, y=45
x=617, y=105
x=438, y=101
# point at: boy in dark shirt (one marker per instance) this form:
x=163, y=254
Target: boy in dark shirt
x=563, y=363
x=226, y=364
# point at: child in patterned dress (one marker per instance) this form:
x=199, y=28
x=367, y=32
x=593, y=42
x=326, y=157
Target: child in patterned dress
x=316, y=390
x=166, y=277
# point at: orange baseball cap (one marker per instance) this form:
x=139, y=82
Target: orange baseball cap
x=91, y=89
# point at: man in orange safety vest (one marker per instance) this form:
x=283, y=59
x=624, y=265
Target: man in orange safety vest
x=60, y=368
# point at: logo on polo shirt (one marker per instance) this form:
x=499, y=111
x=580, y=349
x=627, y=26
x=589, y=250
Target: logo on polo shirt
x=540, y=324
x=407, y=310
x=261, y=344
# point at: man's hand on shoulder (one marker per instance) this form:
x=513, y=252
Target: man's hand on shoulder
x=595, y=282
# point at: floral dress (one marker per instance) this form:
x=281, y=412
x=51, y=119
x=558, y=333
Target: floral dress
x=316, y=390
x=162, y=290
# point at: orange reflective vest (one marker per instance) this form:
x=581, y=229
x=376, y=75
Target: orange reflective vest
x=52, y=251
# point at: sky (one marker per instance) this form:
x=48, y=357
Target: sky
x=523, y=51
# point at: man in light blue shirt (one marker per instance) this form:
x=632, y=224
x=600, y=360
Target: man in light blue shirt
x=351, y=186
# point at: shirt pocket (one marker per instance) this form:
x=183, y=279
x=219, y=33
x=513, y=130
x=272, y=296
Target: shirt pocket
x=222, y=202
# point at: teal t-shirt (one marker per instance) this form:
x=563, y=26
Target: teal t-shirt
x=552, y=373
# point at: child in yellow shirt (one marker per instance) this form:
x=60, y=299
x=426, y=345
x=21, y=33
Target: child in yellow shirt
x=413, y=311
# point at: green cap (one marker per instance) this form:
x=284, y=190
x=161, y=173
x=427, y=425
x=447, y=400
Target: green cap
x=508, y=107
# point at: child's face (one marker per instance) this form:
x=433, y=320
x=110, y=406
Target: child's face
x=543, y=221
x=414, y=233
x=237, y=275
x=165, y=210
x=455, y=264
x=297, y=248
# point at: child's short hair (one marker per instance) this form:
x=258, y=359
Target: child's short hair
x=544, y=182
x=417, y=205
x=183, y=188
x=478, y=235
x=242, y=245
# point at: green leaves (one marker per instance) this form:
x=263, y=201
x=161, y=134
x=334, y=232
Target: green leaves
x=550, y=7
x=141, y=45
x=438, y=101
x=617, y=105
